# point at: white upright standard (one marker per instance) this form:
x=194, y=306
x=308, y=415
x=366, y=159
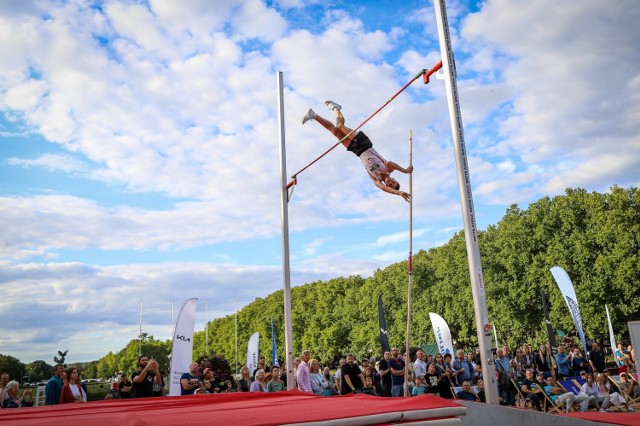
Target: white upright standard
x=286, y=275
x=464, y=185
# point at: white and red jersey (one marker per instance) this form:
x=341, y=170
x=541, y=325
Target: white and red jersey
x=374, y=163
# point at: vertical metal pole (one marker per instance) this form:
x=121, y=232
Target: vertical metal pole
x=206, y=327
x=464, y=185
x=140, y=336
x=286, y=275
x=410, y=269
x=495, y=335
x=236, y=323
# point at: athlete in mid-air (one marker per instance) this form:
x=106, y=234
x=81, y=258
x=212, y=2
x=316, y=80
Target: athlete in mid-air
x=378, y=168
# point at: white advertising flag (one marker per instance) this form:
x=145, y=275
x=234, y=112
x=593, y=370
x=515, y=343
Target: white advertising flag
x=182, y=349
x=252, y=352
x=569, y=295
x=442, y=333
x=612, y=337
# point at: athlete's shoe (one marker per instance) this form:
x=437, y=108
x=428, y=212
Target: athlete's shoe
x=332, y=105
x=310, y=116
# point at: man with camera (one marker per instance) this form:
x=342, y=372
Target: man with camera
x=143, y=380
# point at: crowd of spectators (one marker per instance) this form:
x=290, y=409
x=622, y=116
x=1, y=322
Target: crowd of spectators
x=525, y=371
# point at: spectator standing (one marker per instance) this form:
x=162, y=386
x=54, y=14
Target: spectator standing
x=261, y=366
x=505, y=387
x=463, y=368
x=330, y=380
x=147, y=375
x=302, y=376
x=275, y=384
x=351, y=376
x=259, y=385
x=596, y=359
x=420, y=366
x=125, y=386
x=385, y=374
x=579, y=363
x=72, y=391
x=338, y=376
x=481, y=395
x=543, y=362
x=11, y=399
x=527, y=357
x=397, y=366
x=4, y=380
x=618, y=356
x=564, y=362
x=319, y=384
x=432, y=381
x=445, y=377
x=189, y=381
x=419, y=388
x=244, y=384
x=53, y=390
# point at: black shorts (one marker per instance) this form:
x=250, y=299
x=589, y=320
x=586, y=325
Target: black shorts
x=360, y=144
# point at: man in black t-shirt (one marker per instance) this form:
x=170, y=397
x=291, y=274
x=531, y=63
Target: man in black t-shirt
x=143, y=379
x=351, y=376
x=531, y=389
x=385, y=374
x=596, y=359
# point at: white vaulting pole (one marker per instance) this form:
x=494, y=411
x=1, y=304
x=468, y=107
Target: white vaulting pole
x=140, y=336
x=410, y=267
x=206, y=327
x=464, y=185
x=286, y=274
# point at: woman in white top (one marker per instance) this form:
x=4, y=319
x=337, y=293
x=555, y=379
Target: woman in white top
x=614, y=397
x=72, y=391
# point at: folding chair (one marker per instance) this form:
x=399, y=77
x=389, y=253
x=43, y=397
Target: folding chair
x=521, y=400
x=455, y=390
x=569, y=386
x=616, y=382
x=579, y=381
x=551, y=407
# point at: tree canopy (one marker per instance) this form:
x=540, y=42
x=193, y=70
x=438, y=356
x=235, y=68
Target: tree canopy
x=595, y=237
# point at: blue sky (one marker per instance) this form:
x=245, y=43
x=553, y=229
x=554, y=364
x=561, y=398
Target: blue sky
x=139, y=146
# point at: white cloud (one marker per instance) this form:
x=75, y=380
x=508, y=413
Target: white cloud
x=53, y=162
x=179, y=100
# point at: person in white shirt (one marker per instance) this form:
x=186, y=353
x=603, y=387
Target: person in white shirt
x=420, y=366
x=592, y=397
x=302, y=376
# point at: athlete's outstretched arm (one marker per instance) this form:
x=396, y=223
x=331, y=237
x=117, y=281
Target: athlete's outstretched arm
x=391, y=166
x=385, y=188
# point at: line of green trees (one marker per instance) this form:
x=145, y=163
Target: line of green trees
x=595, y=237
